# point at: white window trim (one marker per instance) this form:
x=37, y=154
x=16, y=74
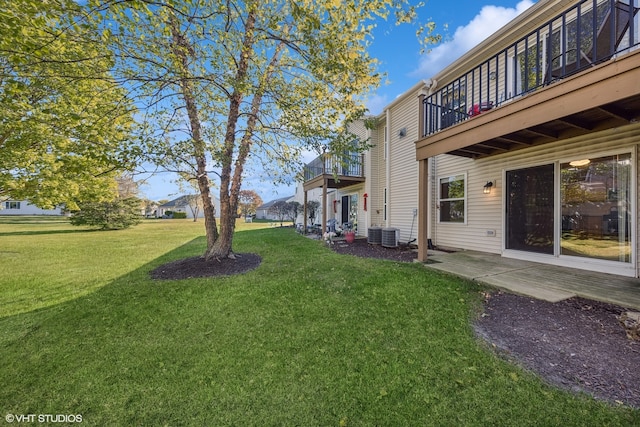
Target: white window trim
x=385, y=152
x=464, y=199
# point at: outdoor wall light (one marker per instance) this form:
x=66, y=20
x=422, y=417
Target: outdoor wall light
x=492, y=75
x=487, y=187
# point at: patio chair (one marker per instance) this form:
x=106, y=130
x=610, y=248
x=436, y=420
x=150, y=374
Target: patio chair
x=602, y=48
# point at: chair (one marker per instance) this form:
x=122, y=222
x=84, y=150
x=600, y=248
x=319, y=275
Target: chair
x=602, y=48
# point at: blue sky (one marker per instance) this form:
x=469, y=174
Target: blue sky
x=462, y=24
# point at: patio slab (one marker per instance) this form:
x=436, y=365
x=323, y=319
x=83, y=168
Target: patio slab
x=541, y=281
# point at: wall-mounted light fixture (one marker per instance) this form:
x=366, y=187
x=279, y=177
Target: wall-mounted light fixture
x=403, y=132
x=487, y=187
x=492, y=75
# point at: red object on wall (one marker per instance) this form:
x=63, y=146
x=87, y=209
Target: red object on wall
x=365, y=200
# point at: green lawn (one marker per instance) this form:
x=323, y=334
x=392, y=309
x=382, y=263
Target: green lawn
x=310, y=338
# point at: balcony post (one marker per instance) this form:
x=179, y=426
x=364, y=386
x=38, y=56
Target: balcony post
x=421, y=117
x=304, y=214
x=423, y=209
x=324, y=205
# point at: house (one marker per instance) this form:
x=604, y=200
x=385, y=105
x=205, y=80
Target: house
x=189, y=204
x=526, y=146
x=23, y=207
x=528, y=143
x=377, y=189
x=264, y=211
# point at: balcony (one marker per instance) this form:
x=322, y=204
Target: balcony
x=334, y=171
x=574, y=74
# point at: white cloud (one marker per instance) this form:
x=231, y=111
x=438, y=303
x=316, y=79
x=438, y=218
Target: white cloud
x=376, y=103
x=488, y=21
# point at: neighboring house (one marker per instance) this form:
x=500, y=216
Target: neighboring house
x=379, y=188
x=263, y=211
x=526, y=146
x=22, y=207
x=185, y=204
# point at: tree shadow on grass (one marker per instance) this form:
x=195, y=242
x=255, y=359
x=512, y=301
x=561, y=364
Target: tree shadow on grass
x=46, y=232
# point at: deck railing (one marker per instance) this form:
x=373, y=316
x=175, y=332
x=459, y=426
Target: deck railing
x=589, y=33
x=349, y=164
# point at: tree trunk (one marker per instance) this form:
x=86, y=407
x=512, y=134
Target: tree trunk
x=222, y=247
x=181, y=49
x=229, y=193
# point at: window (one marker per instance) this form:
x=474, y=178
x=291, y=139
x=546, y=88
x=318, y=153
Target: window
x=384, y=212
x=12, y=205
x=452, y=199
x=386, y=144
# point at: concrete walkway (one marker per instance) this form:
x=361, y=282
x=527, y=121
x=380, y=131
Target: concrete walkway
x=541, y=281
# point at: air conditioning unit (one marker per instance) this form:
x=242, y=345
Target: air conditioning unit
x=390, y=237
x=374, y=235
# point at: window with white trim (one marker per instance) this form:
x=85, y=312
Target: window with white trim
x=384, y=211
x=452, y=198
x=12, y=205
x=386, y=144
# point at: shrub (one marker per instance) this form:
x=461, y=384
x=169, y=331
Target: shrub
x=114, y=215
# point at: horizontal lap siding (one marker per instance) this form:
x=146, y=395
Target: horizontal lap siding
x=376, y=178
x=485, y=212
x=403, y=179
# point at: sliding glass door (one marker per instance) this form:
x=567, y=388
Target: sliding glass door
x=596, y=201
x=585, y=212
x=529, y=209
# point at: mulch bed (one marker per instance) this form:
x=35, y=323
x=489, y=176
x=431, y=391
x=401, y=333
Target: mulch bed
x=198, y=267
x=361, y=248
x=576, y=344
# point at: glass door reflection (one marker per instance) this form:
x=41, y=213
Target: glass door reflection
x=596, y=198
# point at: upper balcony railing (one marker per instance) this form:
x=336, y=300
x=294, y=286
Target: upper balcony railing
x=349, y=164
x=590, y=32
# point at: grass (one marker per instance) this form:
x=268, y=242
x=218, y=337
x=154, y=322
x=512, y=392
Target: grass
x=309, y=338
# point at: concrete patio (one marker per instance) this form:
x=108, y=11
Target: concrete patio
x=541, y=281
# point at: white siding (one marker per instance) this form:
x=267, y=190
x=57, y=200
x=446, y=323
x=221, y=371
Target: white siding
x=485, y=212
x=26, y=209
x=376, y=178
x=402, y=189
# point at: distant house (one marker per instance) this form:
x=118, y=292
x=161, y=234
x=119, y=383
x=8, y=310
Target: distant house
x=22, y=207
x=187, y=205
x=263, y=212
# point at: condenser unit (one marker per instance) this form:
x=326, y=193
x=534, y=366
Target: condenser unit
x=374, y=235
x=390, y=237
